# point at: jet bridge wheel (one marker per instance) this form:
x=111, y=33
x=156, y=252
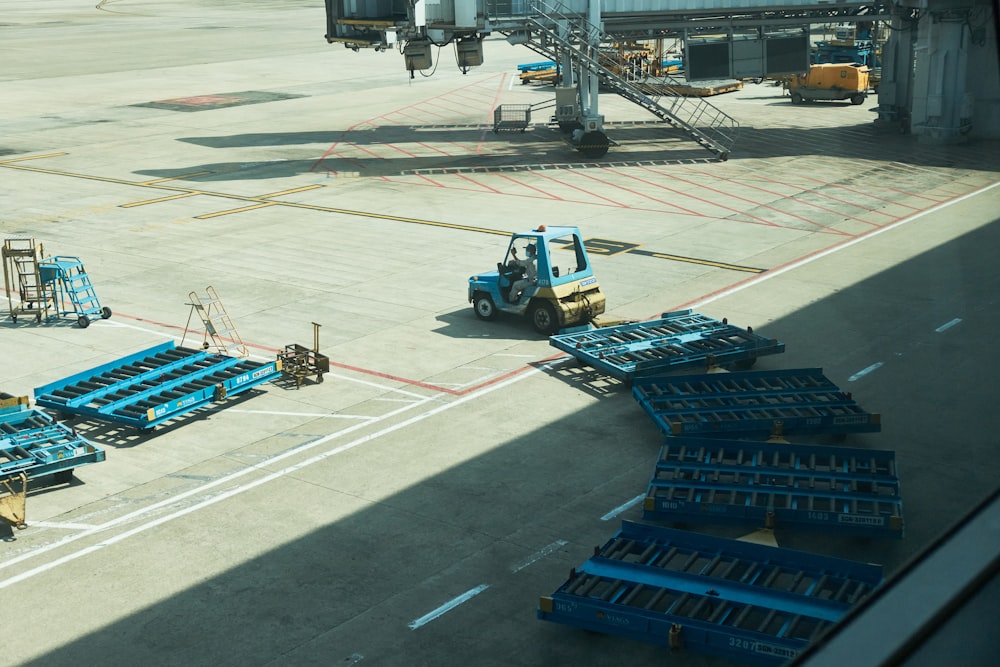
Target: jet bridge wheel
x=594, y=145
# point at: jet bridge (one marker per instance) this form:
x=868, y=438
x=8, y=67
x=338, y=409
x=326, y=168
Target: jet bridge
x=749, y=38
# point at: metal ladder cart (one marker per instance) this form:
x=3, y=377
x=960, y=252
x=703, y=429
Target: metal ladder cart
x=27, y=294
x=72, y=290
x=219, y=327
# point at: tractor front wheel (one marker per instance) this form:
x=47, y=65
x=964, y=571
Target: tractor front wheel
x=484, y=307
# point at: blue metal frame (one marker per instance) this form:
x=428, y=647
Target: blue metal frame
x=33, y=443
x=680, y=339
x=707, y=594
x=840, y=489
x=153, y=386
x=752, y=404
x=72, y=287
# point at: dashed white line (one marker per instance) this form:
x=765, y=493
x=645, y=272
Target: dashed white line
x=447, y=606
x=540, y=554
x=621, y=508
x=865, y=371
x=263, y=466
x=948, y=325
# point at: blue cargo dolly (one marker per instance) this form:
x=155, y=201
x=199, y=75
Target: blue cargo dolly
x=680, y=339
x=153, y=386
x=70, y=285
x=752, y=404
x=31, y=442
x=772, y=485
x=734, y=599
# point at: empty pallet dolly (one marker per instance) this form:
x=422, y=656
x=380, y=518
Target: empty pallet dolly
x=31, y=442
x=752, y=404
x=772, y=485
x=153, y=386
x=696, y=592
x=680, y=339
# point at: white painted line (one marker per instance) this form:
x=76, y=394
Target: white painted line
x=865, y=371
x=767, y=275
x=330, y=415
x=447, y=606
x=948, y=325
x=621, y=508
x=540, y=554
x=263, y=466
x=64, y=526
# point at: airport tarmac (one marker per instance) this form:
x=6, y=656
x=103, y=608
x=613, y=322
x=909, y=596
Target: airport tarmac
x=176, y=146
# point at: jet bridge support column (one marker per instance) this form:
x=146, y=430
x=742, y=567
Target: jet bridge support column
x=590, y=139
x=942, y=109
x=895, y=89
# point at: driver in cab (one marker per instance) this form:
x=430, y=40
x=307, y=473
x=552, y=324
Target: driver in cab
x=529, y=267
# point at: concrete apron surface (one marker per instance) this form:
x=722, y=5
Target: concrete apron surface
x=176, y=146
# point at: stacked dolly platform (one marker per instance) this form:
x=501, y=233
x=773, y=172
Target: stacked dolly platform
x=33, y=445
x=724, y=460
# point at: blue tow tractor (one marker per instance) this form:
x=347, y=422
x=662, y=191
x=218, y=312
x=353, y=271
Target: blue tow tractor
x=545, y=276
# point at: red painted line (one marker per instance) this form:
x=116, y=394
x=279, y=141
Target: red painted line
x=869, y=194
x=396, y=148
x=413, y=118
x=481, y=185
x=756, y=174
x=612, y=202
x=436, y=150
x=635, y=192
x=493, y=105
x=754, y=220
x=430, y=180
x=760, y=204
x=548, y=195
x=782, y=195
x=365, y=150
x=572, y=201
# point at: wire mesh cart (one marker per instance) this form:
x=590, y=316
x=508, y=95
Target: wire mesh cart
x=299, y=362
x=511, y=118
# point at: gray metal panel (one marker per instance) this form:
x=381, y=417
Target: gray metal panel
x=692, y=6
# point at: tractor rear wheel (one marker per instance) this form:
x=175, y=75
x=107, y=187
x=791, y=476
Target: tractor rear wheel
x=543, y=318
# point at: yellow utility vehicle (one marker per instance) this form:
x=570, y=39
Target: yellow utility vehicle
x=831, y=81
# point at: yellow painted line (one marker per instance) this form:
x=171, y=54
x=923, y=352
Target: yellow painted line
x=292, y=191
x=236, y=210
x=157, y=201
x=366, y=22
x=32, y=157
x=396, y=218
x=224, y=195
x=174, y=178
x=705, y=262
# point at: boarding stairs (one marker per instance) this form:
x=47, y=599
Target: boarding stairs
x=73, y=289
x=219, y=327
x=698, y=119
